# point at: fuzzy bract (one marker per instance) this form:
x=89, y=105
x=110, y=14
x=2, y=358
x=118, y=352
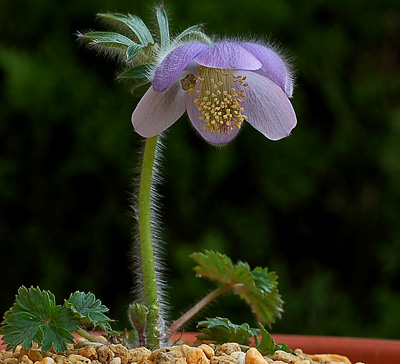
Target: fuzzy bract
x=220, y=86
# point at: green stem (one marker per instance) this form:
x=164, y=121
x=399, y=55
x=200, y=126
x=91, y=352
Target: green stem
x=146, y=243
x=198, y=307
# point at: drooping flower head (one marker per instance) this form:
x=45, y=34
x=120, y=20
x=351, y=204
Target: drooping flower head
x=221, y=86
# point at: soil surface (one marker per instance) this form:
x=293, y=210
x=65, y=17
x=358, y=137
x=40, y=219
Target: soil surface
x=84, y=352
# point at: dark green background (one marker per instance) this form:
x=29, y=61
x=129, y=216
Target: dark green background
x=321, y=208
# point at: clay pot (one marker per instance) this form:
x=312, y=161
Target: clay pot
x=368, y=351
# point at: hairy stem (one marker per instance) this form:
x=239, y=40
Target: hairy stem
x=146, y=243
x=177, y=324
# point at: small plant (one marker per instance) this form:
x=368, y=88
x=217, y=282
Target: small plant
x=257, y=287
x=222, y=85
x=35, y=317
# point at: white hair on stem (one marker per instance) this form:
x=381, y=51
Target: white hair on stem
x=158, y=248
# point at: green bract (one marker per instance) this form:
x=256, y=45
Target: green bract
x=135, y=45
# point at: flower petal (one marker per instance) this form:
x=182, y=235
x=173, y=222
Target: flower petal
x=227, y=55
x=211, y=137
x=174, y=63
x=157, y=111
x=272, y=65
x=267, y=107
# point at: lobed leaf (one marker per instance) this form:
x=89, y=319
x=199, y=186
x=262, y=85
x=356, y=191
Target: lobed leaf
x=133, y=23
x=221, y=330
x=267, y=346
x=258, y=287
x=35, y=317
x=43, y=301
x=213, y=265
x=264, y=299
x=88, y=309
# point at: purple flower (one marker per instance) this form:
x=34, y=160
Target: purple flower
x=221, y=86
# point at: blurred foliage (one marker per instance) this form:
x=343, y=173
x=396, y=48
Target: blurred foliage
x=321, y=208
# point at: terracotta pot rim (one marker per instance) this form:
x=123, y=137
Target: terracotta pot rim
x=366, y=350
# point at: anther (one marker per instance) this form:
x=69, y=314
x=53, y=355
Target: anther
x=219, y=95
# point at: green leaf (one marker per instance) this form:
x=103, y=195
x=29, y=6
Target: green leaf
x=213, y=265
x=141, y=71
x=88, y=309
x=35, y=317
x=221, y=330
x=258, y=287
x=43, y=301
x=162, y=19
x=109, y=39
x=133, y=23
x=265, y=299
x=267, y=346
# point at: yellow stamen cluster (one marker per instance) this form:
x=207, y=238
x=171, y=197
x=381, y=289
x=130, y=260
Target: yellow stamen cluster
x=219, y=95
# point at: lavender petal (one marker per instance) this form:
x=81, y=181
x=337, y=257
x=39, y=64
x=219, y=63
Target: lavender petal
x=272, y=65
x=157, y=111
x=228, y=55
x=174, y=63
x=267, y=107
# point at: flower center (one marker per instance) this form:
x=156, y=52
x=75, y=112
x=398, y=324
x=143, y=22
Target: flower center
x=219, y=95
